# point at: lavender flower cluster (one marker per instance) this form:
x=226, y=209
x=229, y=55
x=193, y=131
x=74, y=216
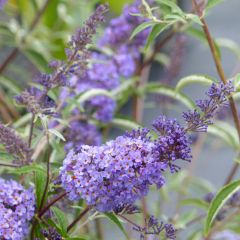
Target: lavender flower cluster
x=119, y=172
x=106, y=71
x=17, y=206
x=14, y=145
x=112, y=175
x=217, y=97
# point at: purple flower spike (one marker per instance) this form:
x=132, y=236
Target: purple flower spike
x=217, y=97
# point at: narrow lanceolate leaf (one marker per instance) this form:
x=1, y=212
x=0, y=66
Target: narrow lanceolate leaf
x=230, y=45
x=40, y=182
x=170, y=92
x=193, y=79
x=141, y=27
x=236, y=82
x=114, y=219
x=29, y=169
x=212, y=3
x=93, y=93
x=125, y=123
x=221, y=198
x=156, y=30
x=199, y=35
x=174, y=7
x=195, y=202
x=57, y=134
x=61, y=218
x=225, y=132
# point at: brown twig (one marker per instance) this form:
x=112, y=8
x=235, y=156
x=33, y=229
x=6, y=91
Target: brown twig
x=81, y=215
x=223, y=78
x=46, y=208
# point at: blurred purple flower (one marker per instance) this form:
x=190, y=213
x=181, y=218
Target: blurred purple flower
x=2, y=3
x=14, y=145
x=80, y=133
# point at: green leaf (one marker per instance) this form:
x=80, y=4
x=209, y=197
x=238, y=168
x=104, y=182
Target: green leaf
x=23, y=120
x=236, y=82
x=220, y=199
x=174, y=7
x=226, y=132
x=40, y=182
x=185, y=218
x=196, y=235
x=124, y=87
x=9, y=85
x=5, y=156
x=192, y=79
x=170, y=92
x=195, y=18
x=37, y=59
x=212, y=3
x=156, y=30
x=125, y=123
x=114, y=219
x=141, y=27
x=199, y=34
x=61, y=218
x=57, y=134
x=230, y=45
x=93, y=93
x=195, y=202
x=29, y=169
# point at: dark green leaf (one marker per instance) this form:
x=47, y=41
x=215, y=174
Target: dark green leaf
x=40, y=182
x=141, y=27
x=114, y=219
x=156, y=30
x=5, y=156
x=61, y=218
x=220, y=199
x=174, y=7
x=37, y=59
x=29, y=169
